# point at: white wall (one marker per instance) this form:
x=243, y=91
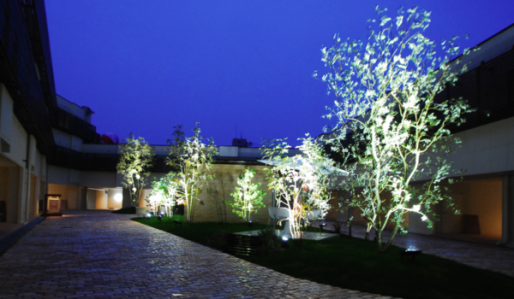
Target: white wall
x=20, y=185
x=486, y=149
x=71, y=107
x=18, y=144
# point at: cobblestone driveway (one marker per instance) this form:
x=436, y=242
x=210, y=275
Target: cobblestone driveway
x=93, y=254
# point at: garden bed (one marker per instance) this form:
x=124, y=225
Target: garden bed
x=353, y=263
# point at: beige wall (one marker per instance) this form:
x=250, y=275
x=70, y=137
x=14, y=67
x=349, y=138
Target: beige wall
x=104, y=198
x=91, y=199
x=481, y=197
x=112, y=203
x=207, y=212
x=70, y=193
x=101, y=200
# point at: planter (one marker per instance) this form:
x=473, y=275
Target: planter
x=140, y=212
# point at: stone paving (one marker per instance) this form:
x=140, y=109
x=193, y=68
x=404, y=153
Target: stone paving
x=96, y=254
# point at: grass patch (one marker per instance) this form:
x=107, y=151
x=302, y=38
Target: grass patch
x=354, y=264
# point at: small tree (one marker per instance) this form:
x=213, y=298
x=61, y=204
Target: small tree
x=165, y=192
x=193, y=160
x=135, y=158
x=388, y=117
x=247, y=197
x=302, y=182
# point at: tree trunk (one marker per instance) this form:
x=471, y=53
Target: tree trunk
x=383, y=247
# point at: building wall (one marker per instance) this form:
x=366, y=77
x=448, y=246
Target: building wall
x=480, y=197
x=112, y=202
x=6, y=115
x=91, y=199
x=101, y=200
x=23, y=168
x=64, y=176
x=205, y=210
x=99, y=179
x=486, y=149
x=69, y=193
x=71, y=107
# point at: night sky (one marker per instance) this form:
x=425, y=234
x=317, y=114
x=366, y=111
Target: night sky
x=146, y=66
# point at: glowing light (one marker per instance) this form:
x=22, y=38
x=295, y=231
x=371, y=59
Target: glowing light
x=118, y=197
x=285, y=239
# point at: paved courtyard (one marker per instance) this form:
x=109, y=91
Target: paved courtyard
x=96, y=254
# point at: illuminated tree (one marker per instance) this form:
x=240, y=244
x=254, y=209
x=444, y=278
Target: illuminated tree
x=247, y=197
x=193, y=160
x=390, y=129
x=165, y=192
x=301, y=183
x=135, y=158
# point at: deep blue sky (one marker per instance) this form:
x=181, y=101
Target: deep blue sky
x=146, y=66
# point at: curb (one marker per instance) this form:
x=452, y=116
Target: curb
x=11, y=239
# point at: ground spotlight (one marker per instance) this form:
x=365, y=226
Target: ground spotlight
x=285, y=242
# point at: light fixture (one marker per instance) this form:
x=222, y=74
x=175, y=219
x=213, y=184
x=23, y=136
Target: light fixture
x=284, y=242
x=118, y=197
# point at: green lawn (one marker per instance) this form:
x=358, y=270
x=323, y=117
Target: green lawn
x=354, y=264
